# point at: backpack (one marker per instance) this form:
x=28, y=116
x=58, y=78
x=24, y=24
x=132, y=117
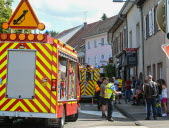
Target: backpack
x=153, y=89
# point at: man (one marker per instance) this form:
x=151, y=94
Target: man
x=150, y=94
x=97, y=94
x=108, y=95
x=118, y=85
x=102, y=99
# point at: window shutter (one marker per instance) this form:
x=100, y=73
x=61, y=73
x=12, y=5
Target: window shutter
x=145, y=28
x=150, y=23
x=153, y=21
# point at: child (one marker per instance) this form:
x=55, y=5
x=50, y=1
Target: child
x=164, y=99
x=158, y=108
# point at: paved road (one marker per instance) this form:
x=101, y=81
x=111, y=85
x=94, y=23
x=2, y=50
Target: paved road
x=89, y=117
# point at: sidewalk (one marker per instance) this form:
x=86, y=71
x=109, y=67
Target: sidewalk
x=138, y=115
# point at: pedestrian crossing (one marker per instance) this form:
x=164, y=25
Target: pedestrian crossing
x=119, y=127
x=99, y=113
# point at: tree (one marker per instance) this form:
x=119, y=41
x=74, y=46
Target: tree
x=53, y=33
x=5, y=12
x=109, y=70
x=104, y=17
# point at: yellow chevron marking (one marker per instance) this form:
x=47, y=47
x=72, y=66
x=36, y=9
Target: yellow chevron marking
x=42, y=89
x=44, y=60
x=15, y=107
x=23, y=107
x=44, y=50
x=43, y=69
x=4, y=63
x=8, y=104
x=2, y=92
x=39, y=105
x=31, y=106
x=59, y=103
x=40, y=77
x=42, y=98
x=3, y=73
x=54, y=68
x=4, y=45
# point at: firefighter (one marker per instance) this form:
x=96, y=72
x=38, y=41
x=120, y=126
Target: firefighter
x=110, y=91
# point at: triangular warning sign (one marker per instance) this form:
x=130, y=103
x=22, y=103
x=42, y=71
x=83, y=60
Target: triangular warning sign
x=165, y=48
x=23, y=17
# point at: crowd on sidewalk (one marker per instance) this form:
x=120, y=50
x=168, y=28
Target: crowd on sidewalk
x=149, y=93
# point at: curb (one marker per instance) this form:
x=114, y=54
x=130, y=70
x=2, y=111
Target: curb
x=137, y=123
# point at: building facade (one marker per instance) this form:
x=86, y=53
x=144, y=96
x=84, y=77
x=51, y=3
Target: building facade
x=98, y=49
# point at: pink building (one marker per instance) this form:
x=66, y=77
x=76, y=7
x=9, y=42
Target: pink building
x=97, y=49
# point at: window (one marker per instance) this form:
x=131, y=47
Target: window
x=159, y=71
x=130, y=39
x=125, y=38
x=96, y=60
x=147, y=27
x=102, y=41
x=88, y=45
x=148, y=70
x=89, y=61
x=151, y=22
x=138, y=34
x=95, y=44
x=102, y=57
x=154, y=72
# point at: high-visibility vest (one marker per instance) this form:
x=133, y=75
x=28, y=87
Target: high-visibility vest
x=97, y=88
x=108, y=92
x=120, y=83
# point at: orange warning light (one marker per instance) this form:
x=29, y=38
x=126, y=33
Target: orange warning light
x=13, y=36
x=40, y=37
x=41, y=26
x=22, y=36
x=31, y=37
x=4, y=36
x=5, y=25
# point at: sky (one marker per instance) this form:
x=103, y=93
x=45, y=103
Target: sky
x=60, y=15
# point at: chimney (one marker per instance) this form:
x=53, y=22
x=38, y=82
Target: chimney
x=85, y=24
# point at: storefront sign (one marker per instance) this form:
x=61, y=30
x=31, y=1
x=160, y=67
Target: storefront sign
x=131, y=59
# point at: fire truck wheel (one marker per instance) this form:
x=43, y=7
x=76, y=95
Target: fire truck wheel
x=73, y=118
x=61, y=121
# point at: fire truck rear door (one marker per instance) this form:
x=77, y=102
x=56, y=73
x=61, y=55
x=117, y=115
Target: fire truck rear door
x=21, y=74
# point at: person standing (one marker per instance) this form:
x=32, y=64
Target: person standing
x=164, y=99
x=109, y=96
x=128, y=91
x=150, y=93
x=103, y=101
x=97, y=94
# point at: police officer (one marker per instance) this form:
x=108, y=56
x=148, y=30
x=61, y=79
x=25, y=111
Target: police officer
x=110, y=91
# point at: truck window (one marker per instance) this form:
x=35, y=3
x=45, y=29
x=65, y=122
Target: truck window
x=89, y=75
x=72, y=79
x=62, y=77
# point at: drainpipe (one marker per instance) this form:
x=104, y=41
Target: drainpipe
x=142, y=27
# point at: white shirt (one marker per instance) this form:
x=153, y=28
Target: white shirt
x=164, y=93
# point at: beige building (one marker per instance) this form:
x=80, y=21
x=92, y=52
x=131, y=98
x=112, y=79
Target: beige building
x=126, y=37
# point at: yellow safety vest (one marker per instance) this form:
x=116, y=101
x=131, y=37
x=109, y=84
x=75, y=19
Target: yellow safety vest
x=120, y=83
x=108, y=92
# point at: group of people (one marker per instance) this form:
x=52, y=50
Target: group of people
x=106, y=97
x=153, y=94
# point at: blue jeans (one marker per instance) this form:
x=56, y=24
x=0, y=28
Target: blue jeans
x=151, y=103
x=127, y=95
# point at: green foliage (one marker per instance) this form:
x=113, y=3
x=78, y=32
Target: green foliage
x=18, y=31
x=104, y=17
x=109, y=70
x=53, y=33
x=5, y=12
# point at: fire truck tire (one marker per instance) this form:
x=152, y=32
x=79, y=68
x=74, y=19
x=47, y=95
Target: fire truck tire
x=61, y=120
x=73, y=118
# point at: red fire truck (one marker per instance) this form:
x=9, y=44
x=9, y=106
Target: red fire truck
x=38, y=77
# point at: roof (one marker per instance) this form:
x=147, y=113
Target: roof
x=67, y=34
x=102, y=27
x=77, y=41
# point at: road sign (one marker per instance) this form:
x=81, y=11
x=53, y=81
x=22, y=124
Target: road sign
x=23, y=17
